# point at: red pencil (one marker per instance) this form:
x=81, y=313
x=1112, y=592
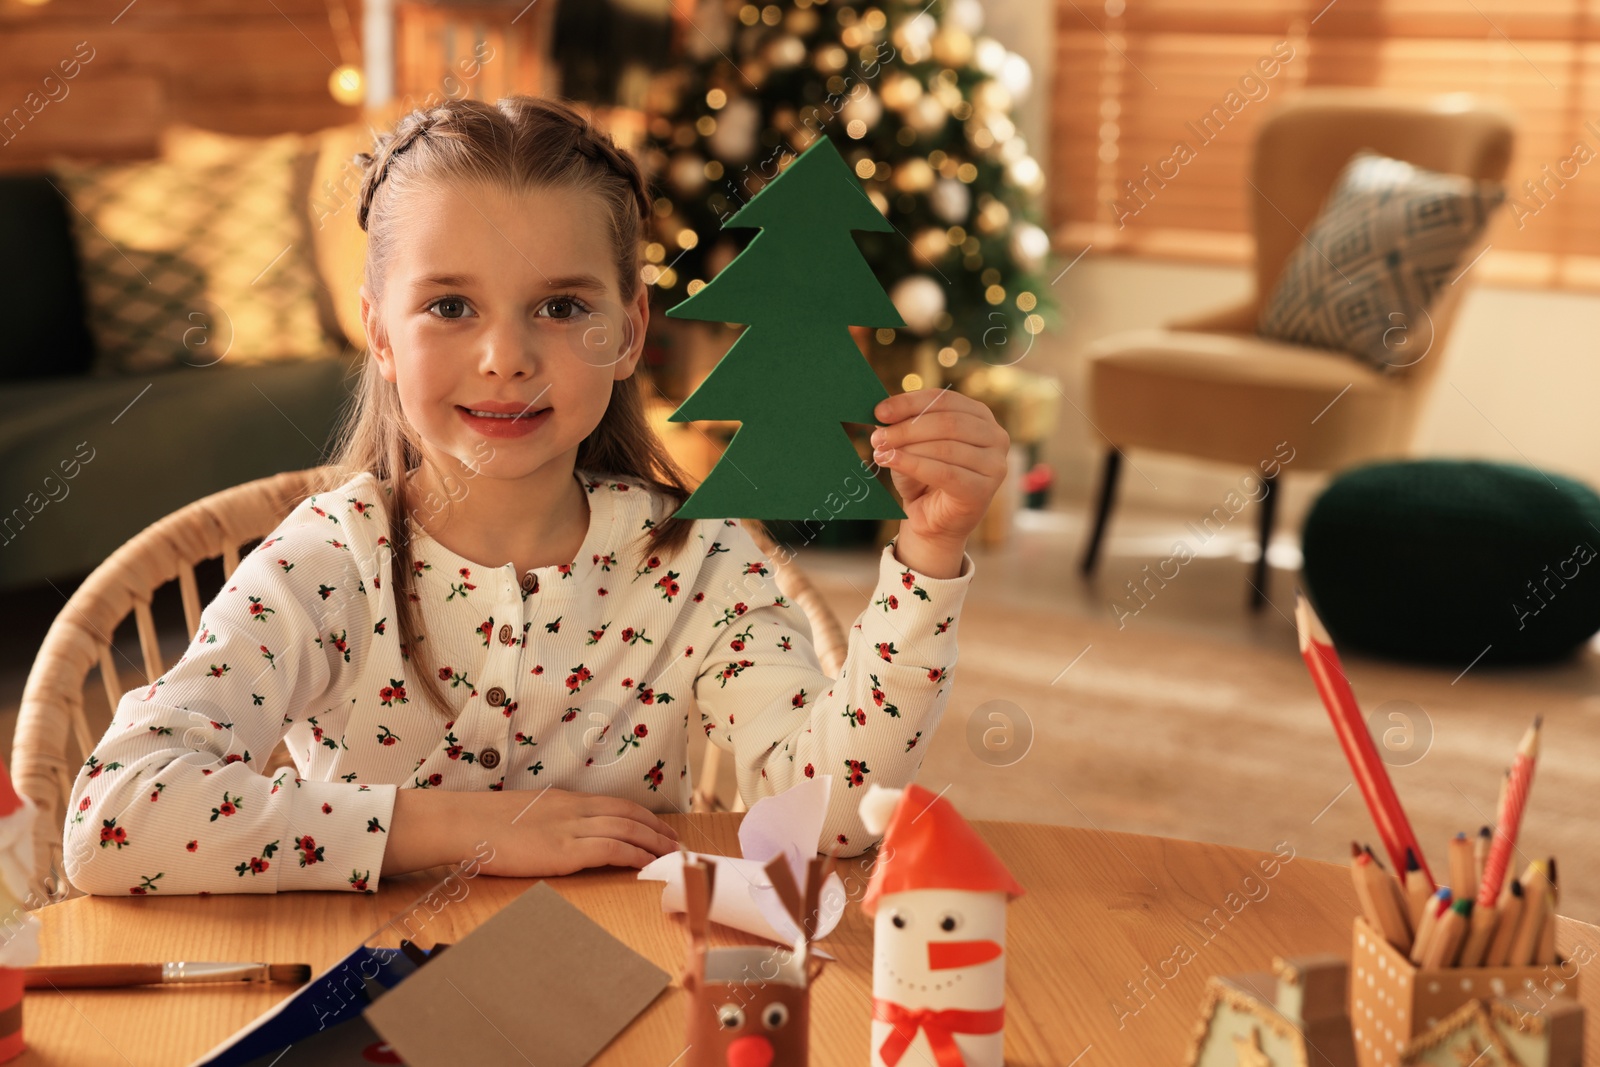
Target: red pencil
x=1316, y=647
x=1514, y=799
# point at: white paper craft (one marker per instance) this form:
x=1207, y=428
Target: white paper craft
x=787, y=824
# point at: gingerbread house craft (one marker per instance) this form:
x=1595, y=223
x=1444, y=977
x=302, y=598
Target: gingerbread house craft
x=1292, y=1017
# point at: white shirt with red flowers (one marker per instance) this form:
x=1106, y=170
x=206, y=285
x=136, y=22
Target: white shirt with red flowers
x=584, y=676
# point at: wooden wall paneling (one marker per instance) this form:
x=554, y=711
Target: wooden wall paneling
x=237, y=68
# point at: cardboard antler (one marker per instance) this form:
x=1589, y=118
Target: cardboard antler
x=804, y=906
x=699, y=879
x=817, y=873
x=782, y=879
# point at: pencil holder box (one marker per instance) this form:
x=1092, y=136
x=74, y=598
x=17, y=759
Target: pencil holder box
x=1392, y=1000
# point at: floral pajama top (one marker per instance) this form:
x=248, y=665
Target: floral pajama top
x=584, y=676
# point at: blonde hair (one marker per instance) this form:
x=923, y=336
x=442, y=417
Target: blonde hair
x=519, y=142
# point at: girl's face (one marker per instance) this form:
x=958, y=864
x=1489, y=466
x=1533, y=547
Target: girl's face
x=503, y=303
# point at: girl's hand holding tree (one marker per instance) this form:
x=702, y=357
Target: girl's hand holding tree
x=947, y=455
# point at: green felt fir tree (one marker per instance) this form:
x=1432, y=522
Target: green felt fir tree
x=795, y=375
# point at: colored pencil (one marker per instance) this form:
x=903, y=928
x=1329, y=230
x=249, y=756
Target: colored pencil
x=1510, y=909
x=1484, y=923
x=1377, y=900
x=1448, y=934
x=1438, y=904
x=1397, y=890
x=1417, y=891
x=1546, y=952
x=1460, y=854
x=1316, y=648
x=1535, y=888
x=1480, y=855
x=1510, y=818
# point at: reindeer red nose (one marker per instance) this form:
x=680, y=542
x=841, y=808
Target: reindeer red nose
x=944, y=955
x=750, y=1052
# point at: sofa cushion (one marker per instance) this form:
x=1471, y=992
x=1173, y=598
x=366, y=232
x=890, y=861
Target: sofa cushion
x=193, y=263
x=48, y=338
x=1389, y=237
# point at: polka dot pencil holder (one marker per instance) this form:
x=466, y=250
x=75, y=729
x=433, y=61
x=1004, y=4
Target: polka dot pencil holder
x=1392, y=1000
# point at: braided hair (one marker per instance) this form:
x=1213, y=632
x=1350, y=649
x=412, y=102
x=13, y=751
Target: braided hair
x=413, y=125
x=586, y=140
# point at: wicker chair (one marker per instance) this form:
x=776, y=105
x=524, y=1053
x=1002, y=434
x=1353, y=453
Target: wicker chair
x=53, y=736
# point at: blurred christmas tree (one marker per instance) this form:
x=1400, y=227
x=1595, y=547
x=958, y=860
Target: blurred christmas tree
x=918, y=101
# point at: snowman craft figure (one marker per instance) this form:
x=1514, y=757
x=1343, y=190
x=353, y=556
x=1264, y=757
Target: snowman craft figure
x=750, y=1006
x=938, y=896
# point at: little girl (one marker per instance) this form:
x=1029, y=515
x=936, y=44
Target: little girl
x=487, y=635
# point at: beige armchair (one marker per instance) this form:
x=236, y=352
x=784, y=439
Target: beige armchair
x=1213, y=389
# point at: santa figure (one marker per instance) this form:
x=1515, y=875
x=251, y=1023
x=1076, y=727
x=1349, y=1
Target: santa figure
x=938, y=896
x=19, y=928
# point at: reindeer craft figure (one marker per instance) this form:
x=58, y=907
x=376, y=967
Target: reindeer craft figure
x=750, y=1005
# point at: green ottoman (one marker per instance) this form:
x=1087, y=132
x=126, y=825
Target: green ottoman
x=1438, y=560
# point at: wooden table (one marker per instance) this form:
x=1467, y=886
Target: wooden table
x=1109, y=950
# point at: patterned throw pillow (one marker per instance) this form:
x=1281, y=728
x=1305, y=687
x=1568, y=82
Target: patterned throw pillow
x=195, y=262
x=1389, y=237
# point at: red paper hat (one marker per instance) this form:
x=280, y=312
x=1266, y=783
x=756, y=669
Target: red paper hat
x=928, y=845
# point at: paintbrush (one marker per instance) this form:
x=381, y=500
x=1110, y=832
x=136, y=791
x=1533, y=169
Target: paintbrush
x=112, y=975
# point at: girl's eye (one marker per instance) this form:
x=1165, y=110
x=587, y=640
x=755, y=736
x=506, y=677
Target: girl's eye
x=571, y=307
x=445, y=304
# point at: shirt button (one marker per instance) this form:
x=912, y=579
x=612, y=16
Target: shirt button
x=489, y=758
x=530, y=582
x=505, y=633
x=495, y=696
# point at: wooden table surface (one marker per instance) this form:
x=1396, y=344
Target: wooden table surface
x=1109, y=950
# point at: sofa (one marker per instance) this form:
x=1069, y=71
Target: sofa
x=88, y=458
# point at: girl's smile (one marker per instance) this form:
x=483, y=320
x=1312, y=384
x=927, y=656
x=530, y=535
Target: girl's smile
x=504, y=420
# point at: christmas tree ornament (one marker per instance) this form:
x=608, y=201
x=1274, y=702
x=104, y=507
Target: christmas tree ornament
x=900, y=90
x=927, y=115
x=931, y=245
x=795, y=375
x=952, y=47
x=1026, y=174
x=738, y=123
x=950, y=200
x=914, y=175
x=966, y=15
x=687, y=173
x=938, y=898
x=989, y=55
x=786, y=51
x=920, y=301
x=863, y=107
x=19, y=928
x=1016, y=75
x=1030, y=245
x=750, y=1006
